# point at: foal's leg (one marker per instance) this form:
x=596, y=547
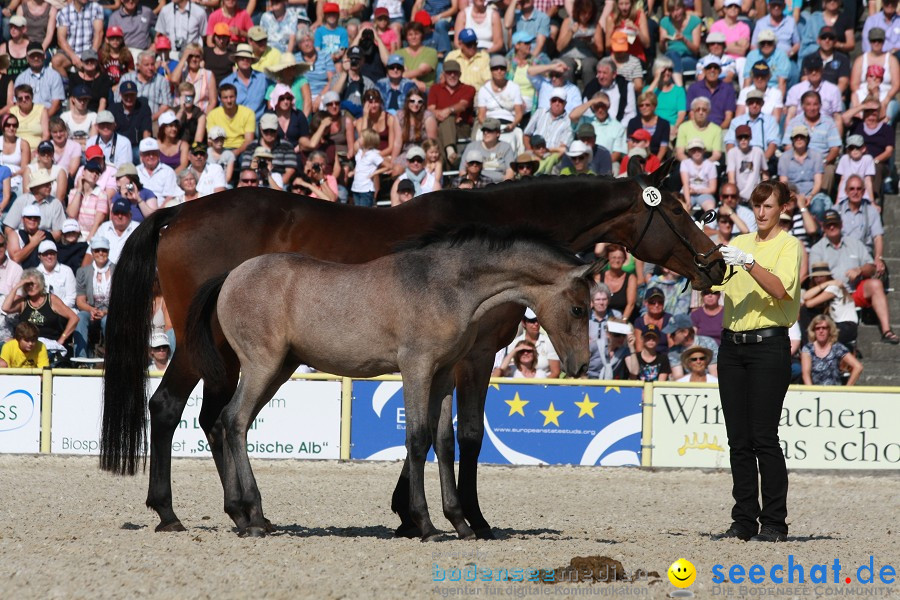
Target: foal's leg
x=416, y=388
x=441, y=424
x=400, y=504
x=473, y=375
x=166, y=407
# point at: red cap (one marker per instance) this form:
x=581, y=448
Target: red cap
x=331, y=7
x=92, y=152
x=876, y=71
x=641, y=135
x=381, y=12
x=114, y=31
x=423, y=18
x=743, y=130
x=163, y=43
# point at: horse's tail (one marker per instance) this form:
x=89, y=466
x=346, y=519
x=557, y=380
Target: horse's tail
x=122, y=437
x=205, y=354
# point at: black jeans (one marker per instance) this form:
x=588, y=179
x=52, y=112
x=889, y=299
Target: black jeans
x=753, y=379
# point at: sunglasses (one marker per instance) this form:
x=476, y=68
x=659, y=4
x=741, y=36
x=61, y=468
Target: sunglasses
x=853, y=189
x=821, y=328
x=729, y=195
x=338, y=103
x=767, y=43
x=253, y=180
x=743, y=137
x=416, y=159
x=416, y=101
x=13, y=125
x=498, y=68
x=655, y=301
x=697, y=359
x=392, y=67
x=526, y=351
x=198, y=153
x=580, y=157
x=29, y=217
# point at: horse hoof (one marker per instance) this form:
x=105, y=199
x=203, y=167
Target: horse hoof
x=432, y=536
x=408, y=531
x=465, y=532
x=269, y=527
x=254, y=532
x=169, y=527
x=485, y=533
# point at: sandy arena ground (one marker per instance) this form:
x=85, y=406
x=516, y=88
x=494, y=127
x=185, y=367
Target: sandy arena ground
x=71, y=531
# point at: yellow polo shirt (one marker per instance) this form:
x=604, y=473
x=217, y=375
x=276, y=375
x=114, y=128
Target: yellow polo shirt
x=475, y=71
x=244, y=121
x=270, y=57
x=747, y=305
x=16, y=359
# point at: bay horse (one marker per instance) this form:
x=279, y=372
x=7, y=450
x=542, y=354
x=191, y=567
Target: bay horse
x=415, y=311
x=190, y=243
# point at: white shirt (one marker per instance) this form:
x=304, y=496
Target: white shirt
x=117, y=150
x=60, y=281
x=630, y=105
x=500, y=105
x=162, y=181
x=771, y=100
x=116, y=241
x=367, y=161
x=212, y=177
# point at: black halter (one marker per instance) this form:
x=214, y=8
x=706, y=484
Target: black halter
x=701, y=259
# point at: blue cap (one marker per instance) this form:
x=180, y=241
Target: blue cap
x=679, y=321
x=121, y=206
x=522, y=37
x=467, y=36
x=127, y=87
x=81, y=91
x=45, y=146
x=395, y=59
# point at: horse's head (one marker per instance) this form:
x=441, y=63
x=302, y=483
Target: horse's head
x=563, y=311
x=660, y=231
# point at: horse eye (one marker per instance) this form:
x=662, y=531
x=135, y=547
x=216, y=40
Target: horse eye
x=578, y=311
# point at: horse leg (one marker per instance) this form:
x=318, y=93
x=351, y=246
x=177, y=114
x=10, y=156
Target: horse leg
x=473, y=375
x=416, y=391
x=400, y=505
x=444, y=445
x=166, y=407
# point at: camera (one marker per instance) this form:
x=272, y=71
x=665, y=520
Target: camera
x=188, y=100
x=354, y=62
x=129, y=187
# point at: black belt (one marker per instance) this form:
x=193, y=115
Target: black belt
x=753, y=336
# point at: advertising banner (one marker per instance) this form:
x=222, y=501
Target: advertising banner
x=525, y=424
x=839, y=428
x=303, y=420
x=20, y=413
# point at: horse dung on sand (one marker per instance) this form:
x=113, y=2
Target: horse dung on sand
x=415, y=311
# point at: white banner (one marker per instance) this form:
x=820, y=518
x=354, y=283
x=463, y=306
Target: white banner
x=303, y=420
x=819, y=429
x=20, y=413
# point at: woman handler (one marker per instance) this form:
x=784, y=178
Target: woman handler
x=761, y=301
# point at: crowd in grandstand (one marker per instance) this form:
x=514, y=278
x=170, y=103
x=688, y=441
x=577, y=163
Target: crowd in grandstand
x=110, y=111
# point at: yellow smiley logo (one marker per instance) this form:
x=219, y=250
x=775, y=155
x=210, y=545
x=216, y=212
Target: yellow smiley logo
x=682, y=573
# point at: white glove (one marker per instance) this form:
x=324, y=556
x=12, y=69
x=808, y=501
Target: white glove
x=735, y=256
x=699, y=224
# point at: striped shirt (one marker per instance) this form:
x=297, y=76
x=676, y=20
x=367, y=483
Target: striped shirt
x=557, y=131
x=283, y=156
x=80, y=23
x=156, y=91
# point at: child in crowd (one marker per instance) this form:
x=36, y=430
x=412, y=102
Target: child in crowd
x=389, y=36
x=627, y=65
x=856, y=162
x=433, y=162
x=330, y=37
x=218, y=155
x=369, y=165
x=698, y=177
x=24, y=351
x=650, y=364
x=745, y=164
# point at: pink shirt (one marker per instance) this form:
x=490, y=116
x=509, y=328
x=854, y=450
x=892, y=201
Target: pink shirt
x=90, y=206
x=732, y=34
x=388, y=37
x=241, y=20
x=69, y=151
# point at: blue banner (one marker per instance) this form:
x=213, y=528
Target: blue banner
x=525, y=424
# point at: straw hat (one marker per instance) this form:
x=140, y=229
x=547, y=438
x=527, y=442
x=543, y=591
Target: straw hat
x=40, y=178
x=287, y=61
x=686, y=355
x=243, y=51
x=820, y=269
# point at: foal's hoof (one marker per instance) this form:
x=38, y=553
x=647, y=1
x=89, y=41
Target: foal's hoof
x=431, y=536
x=253, y=531
x=465, y=532
x=168, y=527
x=485, y=533
x=408, y=531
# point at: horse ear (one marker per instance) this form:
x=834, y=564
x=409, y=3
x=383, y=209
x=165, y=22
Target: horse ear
x=635, y=166
x=659, y=175
x=588, y=271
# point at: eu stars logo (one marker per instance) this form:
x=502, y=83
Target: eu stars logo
x=551, y=415
x=586, y=407
x=516, y=405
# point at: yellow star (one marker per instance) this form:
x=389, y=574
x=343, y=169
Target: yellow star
x=615, y=388
x=586, y=406
x=516, y=405
x=551, y=415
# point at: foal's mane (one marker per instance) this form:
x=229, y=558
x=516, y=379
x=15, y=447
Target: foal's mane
x=497, y=239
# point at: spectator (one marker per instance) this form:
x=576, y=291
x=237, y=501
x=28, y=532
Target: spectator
x=280, y=23
x=484, y=22
x=783, y=26
x=237, y=122
x=210, y=177
x=387, y=35
x=682, y=339
x=88, y=202
x=132, y=116
x=46, y=85
x=289, y=73
x=620, y=93
x=522, y=362
x=764, y=131
x=135, y=20
x=118, y=229
x=474, y=63
x=416, y=123
x=600, y=314
x=331, y=38
x=775, y=58
x=736, y=31
x=856, y=162
x=95, y=80
x=33, y=119
x=695, y=363
x=720, y=94
x=16, y=153
x=496, y=155
x=656, y=129
x=107, y=180
x=830, y=19
x=395, y=87
x=155, y=176
x=738, y=215
x=878, y=137
x=187, y=183
x=369, y=165
x=671, y=99
x=116, y=148
x=265, y=55
x=115, y=58
x=627, y=65
x=707, y=318
x=699, y=128
x=450, y=101
x=552, y=124
x=261, y=164
x=876, y=73
x=23, y=240
x=218, y=154
x=698, y=177
x=829, y=93
x=374, y=53
x=860, y=218
x=184, y=22
x=236, y=19
x=851, y=262
x=78, y=118
x=44, y=162
x=93, y=284
x=131, y=188
x=580, y=156
x=321, y=70
x=885, y=20
x=59, y=278
x=471, y=177
x=610, y=133
x=189, y=71
x=724, y=230
x=420, y=61
x=601, y=161
x=524, y=18
x=621, y=285
x=250, y=85
x=216, y=56
x=628, y=17
x=609, y=355
x=824, y=136
x=581, y=41
x=284, y=158
x=17, y=46
x=679, y=38
x=333, y=131
x=66, y=152
x=828, y=296
x=382, y=122
x=547, y=359
x=414, y=173
x=151, y=86
x=71, y=251
x=550, y=77
x=192, y=118
x=52, y=212
x=654, y=314
x=160, y=352
x=25, y=350
x=837, y=63
x=79, y=26
x=313, y=180
x=773, y=97
x=173, y=150
x=823, y=358
x=803, y=167
x=351, y=84
x=648, y=363
x=164, y=64
x=525, y=165
x=746, y=164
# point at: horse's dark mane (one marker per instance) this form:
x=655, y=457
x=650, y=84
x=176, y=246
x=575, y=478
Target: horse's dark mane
x=496, y=238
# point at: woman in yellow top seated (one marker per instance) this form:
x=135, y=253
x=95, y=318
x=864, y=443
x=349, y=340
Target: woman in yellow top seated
x=762, y=300
x=24, y=351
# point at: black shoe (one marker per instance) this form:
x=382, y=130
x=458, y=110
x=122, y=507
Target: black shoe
x=767, y=534
x=733, y=533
